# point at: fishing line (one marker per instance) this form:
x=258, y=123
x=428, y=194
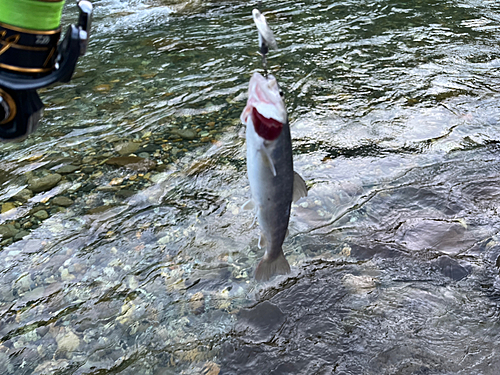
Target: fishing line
x=32, y=14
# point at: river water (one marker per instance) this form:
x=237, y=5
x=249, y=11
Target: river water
x=124, y=249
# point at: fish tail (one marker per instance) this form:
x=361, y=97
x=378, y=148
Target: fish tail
x=269, y=267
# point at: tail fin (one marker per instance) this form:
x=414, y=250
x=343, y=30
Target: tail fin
x=270, y=267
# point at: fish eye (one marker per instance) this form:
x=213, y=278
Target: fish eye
x=281, y=93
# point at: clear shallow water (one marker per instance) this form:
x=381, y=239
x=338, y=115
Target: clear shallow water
x=394, y=116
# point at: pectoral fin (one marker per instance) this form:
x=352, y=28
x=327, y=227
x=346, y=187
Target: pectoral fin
x=248, y=205
x=267, y=157
x=299, y=187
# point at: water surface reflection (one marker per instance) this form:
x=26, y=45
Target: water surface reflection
x=139, y=258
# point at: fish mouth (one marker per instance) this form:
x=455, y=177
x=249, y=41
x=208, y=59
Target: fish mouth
x=267, y=128
x=265, y=107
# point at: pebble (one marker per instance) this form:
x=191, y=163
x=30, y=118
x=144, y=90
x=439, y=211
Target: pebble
x=359, y=284
x=41, y=215
x=59, y=347
x=197, y=303
x=65, y=275
x=87, y=159
x=127, y=148
x=21, y=234
x=7, y=207
x=62, y=201
x=67, y=340
x=79, y=267
x=107, y=188
x=23, y=283
x=98, y=210
x=42, y=331
x=105, y=88
x=67, y=169
x=116, y=181
x=45, y=183
x=132, y=162
x=31, y=336
x=24, y=195
x=88, y=187
x=185, y=133
x=8, y=231
x=210, y=368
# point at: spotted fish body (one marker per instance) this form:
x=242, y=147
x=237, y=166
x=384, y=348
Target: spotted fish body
x=270, y=170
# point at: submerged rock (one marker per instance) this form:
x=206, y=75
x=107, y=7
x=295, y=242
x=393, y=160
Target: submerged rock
x=132, y=162
x=45, y=183
x=261, y=322
x=127, y=148
x=22, y=284
x=24, y=195
x=188, y=134
x=104, y=88
x=8, y=231
x=21, y=234
x=197, y=303
x=62, y=201
x=67, y=169
x=359, y=283
x=67, y=340
x=7, y=207
x=99, y=209
x=210, y=368
x=41, y=214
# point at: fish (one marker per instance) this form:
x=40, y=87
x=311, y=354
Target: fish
x=273, y=183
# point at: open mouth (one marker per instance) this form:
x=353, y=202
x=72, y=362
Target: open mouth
x=267, y=128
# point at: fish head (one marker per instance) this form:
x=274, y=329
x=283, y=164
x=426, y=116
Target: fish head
x=265, y=109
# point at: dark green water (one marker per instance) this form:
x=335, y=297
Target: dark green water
x=394, y=112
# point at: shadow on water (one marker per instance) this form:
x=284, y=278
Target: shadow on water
x=135, y=255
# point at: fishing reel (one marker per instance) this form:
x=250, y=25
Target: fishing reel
x=31, y=58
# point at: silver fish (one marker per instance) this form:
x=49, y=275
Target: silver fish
x=273, y=183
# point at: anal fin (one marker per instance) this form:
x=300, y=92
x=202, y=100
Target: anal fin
x=262, y=241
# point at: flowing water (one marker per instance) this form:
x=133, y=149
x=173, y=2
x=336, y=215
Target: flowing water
x=123, y=247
